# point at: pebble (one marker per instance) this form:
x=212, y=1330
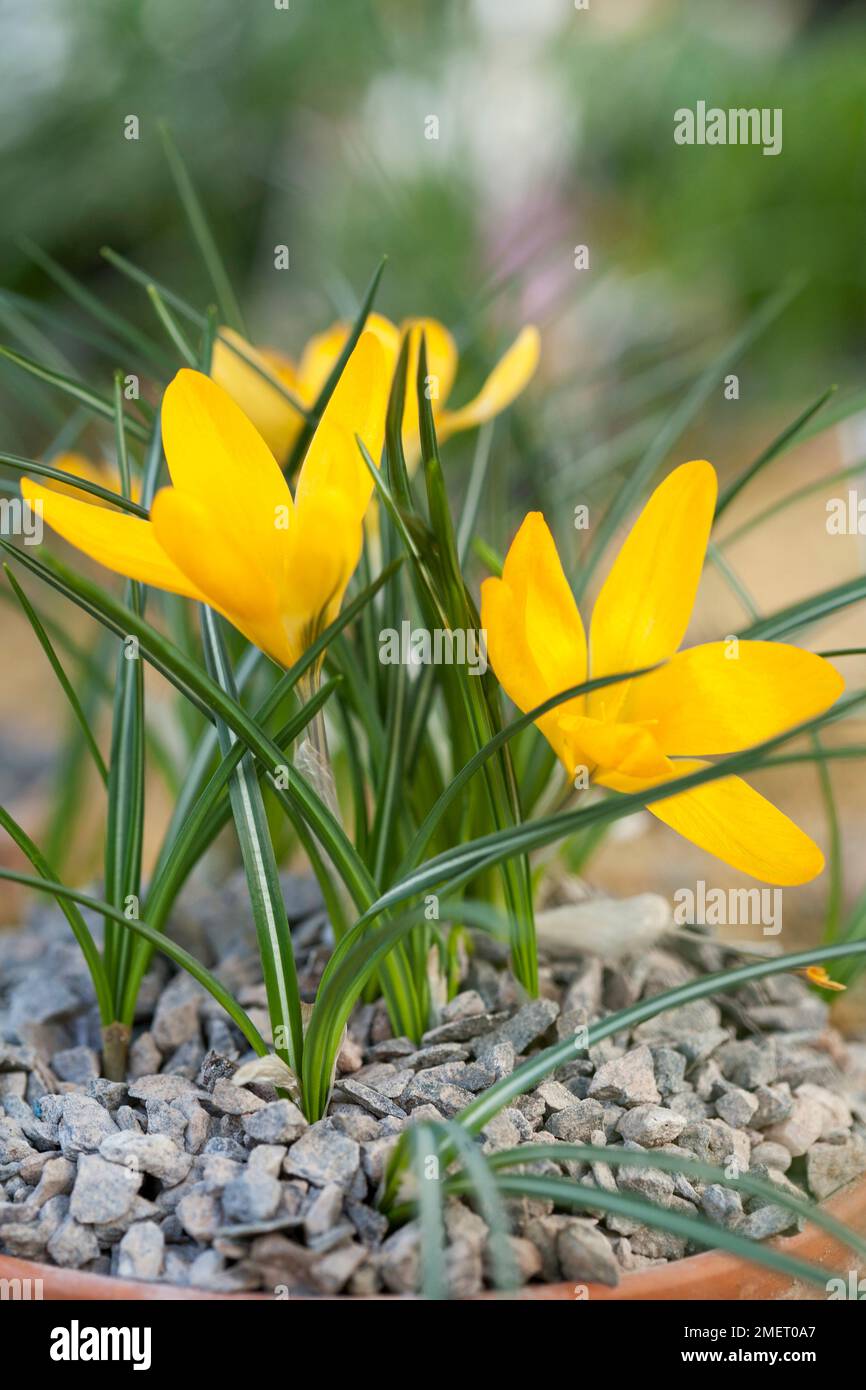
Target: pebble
x=254, y=1196
x=830, y=1166
x=736, y=1107
x=369, y=1098
x=801, y=1129
x=148, y=1153
x=627, y=1080
x=713, y=1141
x=72, y=1245
x=723, y=1205
x=78, y=1064
x=322, y=1155
x=278, y=1122
x=586, y=1255
x=103, y=1191
x=527, y=1026
x=83, y=1125
x=651, y=1125
x=748, y=1064
x=141, y=1252
x=577, y=1123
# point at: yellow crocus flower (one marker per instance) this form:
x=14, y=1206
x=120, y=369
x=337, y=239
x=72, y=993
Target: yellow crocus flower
x=709, y=700
x=817, y=975
x=280, y=423
x=228, y=532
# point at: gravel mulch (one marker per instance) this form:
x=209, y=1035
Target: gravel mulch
x=180, y=1175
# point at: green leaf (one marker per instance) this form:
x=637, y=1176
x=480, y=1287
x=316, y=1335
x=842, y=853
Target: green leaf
x=202, y=235
x=47, y=881
x=318, y=409
x=808, y=611
x=260, y=865
x=57, y=667
x=162, y=943
x=782, y=442
x=99, y=405
x=59, y=475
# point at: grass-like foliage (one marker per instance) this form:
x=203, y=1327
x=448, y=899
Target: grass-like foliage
x=419, y=810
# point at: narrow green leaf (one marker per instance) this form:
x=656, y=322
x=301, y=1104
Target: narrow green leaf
x=99, y=405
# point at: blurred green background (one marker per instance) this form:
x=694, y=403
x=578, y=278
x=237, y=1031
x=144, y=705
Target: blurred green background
x=305, y=126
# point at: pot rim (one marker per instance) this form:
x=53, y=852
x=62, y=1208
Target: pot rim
x=713, y=1275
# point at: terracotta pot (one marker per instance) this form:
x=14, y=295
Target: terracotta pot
x=713, y=1276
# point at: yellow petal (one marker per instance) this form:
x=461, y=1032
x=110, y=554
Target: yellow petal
x=817, y=975
x=278, y=422
x=324, y=548
x=322, y=351
x=509, y=377
x=724, y=696
x=511, y=659
x=80, y=467
x=126, y=544
x=628, y=748
x=216, y=455
x=192, y=538
x=729, y=819
x=643, y=609
x=441, y=371
x=551, y=621
x=357, y=407
x=535, y=638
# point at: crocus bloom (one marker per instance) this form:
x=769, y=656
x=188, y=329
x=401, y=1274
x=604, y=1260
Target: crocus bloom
x=280, y=423
x=81, y=467
x=817, y=975
x=227, y=532
x=706, y=701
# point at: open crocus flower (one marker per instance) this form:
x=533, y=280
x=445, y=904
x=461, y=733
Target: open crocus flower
x=280, y=423
x=706, y=701
x=227, y=532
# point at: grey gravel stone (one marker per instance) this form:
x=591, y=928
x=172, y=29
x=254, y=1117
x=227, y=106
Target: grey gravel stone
x=103, y=1191
x=322, y=1155
x=83, y=1125
x=830, y=1166
x=72, y=1245
x=78, y=1064
x=748, y=1064
x=141, y=1252
x=801, y=1129
x=651, y=1125
x=254, y=1196
x=736, y=1107
x=164, y=1088
x=713, y=1141
x=669, y=1067
x=148, y=1153
x=144, y=1057
x=627, y=1080
x=279, y=1122
x=766, y=1221
x=723, y=1205
x=585, y=1254
x=527, y=1026
x=775, y=1104
x=772, y=1155
x=576, y=1124
x=369, y=1098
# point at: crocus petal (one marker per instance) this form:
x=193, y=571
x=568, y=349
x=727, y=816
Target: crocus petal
x=627, y=748
x=357, y=407
x=277, y=421
x=126, y=544
x=322, y=351
x=441, y=370
x=535, y=638
x=552, y=624
x=216, y=455
x=80, y=467
x=514, y=664
x=724, y=696
x=324, y=549
x=643, y=609
x=729, y=819
x=189, y=535
x=509, y=377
